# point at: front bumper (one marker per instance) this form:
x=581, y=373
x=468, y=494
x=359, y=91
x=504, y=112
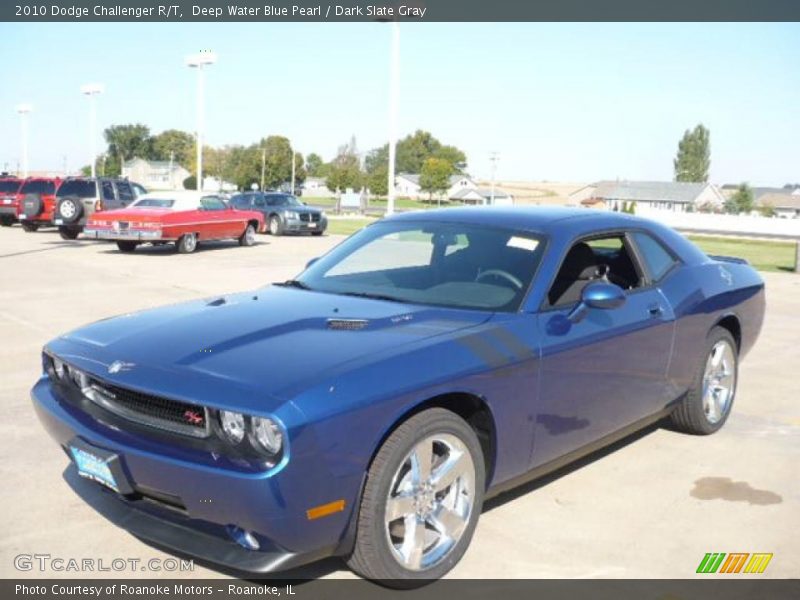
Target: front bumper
x=150, y=235
x=272, y=508
x=298, y=226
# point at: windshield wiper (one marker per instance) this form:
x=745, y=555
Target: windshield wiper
x=374, y=296
x=295, y=283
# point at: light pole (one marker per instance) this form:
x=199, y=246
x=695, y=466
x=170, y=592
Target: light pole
x=23, y=110
x=293, y=170
x=200, y=61
x=394, y=91
x=494, y=157
x=91, y=90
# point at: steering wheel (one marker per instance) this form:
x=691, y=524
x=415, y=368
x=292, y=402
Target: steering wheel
x=502, y=275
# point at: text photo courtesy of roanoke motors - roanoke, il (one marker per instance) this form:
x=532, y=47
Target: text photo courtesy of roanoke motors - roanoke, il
x=406, y=298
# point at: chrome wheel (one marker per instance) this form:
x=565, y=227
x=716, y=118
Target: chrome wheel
x=250, y=235
x=719, y=381
x=430, y=501
x=190, y=242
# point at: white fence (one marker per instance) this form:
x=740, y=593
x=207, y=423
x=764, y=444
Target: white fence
x=744, y=225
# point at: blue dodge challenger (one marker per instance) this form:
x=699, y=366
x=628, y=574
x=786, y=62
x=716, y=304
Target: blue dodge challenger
x=367, y=408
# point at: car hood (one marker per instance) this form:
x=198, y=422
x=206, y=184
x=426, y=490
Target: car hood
x=252, y=350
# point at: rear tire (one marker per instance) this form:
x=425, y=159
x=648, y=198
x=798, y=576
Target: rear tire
x=68, y=233
x=126, y=246
x=29, y=227
x=707, y=405
x=410, y=496
x=248, y=238
x=69, y=209
x=6, y=221
x=187, y=243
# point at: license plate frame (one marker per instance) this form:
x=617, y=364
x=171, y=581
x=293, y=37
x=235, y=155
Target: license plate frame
x=101, y=466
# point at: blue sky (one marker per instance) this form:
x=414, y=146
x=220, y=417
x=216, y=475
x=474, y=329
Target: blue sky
x=561, y=102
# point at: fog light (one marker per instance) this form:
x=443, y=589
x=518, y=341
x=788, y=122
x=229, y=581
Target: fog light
x=243, y=537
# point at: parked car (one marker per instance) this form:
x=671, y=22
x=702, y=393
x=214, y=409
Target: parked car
x=80, y=197
x=9, y=187
x=432, y=360
x=183, y=217
x=36, y=202
x=283, y=213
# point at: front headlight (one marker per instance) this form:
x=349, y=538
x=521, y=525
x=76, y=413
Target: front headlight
x=232, y=425
x=268, y=434
x=59, y=368
x=290, y=214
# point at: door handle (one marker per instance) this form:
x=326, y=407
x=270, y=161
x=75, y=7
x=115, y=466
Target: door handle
x=655, y=310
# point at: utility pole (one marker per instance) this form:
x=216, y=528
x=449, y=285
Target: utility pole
x=263, y=166
x=293, y=170
x=171, y=172
x=394, y=92
x=494, y=157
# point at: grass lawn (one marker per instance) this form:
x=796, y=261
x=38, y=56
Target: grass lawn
x=763, y=255
x=346, y=226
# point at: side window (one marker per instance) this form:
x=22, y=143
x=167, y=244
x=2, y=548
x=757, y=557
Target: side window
x=108, y=192
x=211, y=203
x=656, y=258
x=125, y=192
x=604, y=258
x=259, y=201
x=239, y=201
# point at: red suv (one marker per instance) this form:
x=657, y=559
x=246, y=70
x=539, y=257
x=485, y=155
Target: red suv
x=36, y=202
x=9, y=186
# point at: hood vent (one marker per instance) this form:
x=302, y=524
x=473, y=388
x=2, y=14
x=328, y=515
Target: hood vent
x=347, y=324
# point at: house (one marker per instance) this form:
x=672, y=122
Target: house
x=786, y=205
x=406, y=185
x=316, y=187
x=656, y=195
x=155, y=174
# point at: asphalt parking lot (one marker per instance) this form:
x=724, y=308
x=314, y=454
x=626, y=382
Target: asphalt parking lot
x=650, y=507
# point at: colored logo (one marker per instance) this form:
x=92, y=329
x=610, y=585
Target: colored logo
x=735, y=562
x=193, y=417
x=119, y=365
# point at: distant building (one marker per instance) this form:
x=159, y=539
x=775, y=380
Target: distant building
x=785, y=205
x=658, y=195
x=316, y=187
x=406, y=185
x=155, y=174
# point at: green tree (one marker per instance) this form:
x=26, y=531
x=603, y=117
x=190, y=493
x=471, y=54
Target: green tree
x=124, y=143
x=434, y=177
x=378, y=180
x=345, y=170
x=177, y=144
x=412, y=152
x=741, y=201
x=315, y=165
x=693, y=159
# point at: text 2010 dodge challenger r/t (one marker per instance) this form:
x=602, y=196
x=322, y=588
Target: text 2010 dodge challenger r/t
x=367, y=408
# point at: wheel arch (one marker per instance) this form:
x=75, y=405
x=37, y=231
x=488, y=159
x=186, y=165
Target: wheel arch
x=731, y=323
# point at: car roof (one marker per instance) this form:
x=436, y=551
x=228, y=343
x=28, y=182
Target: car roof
x=184, y=199
x=541, y=219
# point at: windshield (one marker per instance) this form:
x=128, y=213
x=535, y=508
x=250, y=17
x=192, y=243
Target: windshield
x=9, y=186
x=443, y=264
x=38, y=186
x=153, y=203
x=78, y=187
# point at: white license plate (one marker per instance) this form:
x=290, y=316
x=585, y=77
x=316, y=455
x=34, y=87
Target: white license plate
x=58, y=222
x=22, y=217
x=312, y=225
x=6, y=200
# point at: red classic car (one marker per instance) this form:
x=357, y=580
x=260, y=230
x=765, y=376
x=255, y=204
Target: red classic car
x=185, y=218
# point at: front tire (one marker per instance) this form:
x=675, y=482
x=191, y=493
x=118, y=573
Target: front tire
x=187, y=243
x=707, y=405
x=126, y=246
x=275, y=225
x=421, y=501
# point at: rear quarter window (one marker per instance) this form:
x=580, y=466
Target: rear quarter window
x=658, y=261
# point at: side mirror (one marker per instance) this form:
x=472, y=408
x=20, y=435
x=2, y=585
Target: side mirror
x=312, y=261
x=598, y=294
